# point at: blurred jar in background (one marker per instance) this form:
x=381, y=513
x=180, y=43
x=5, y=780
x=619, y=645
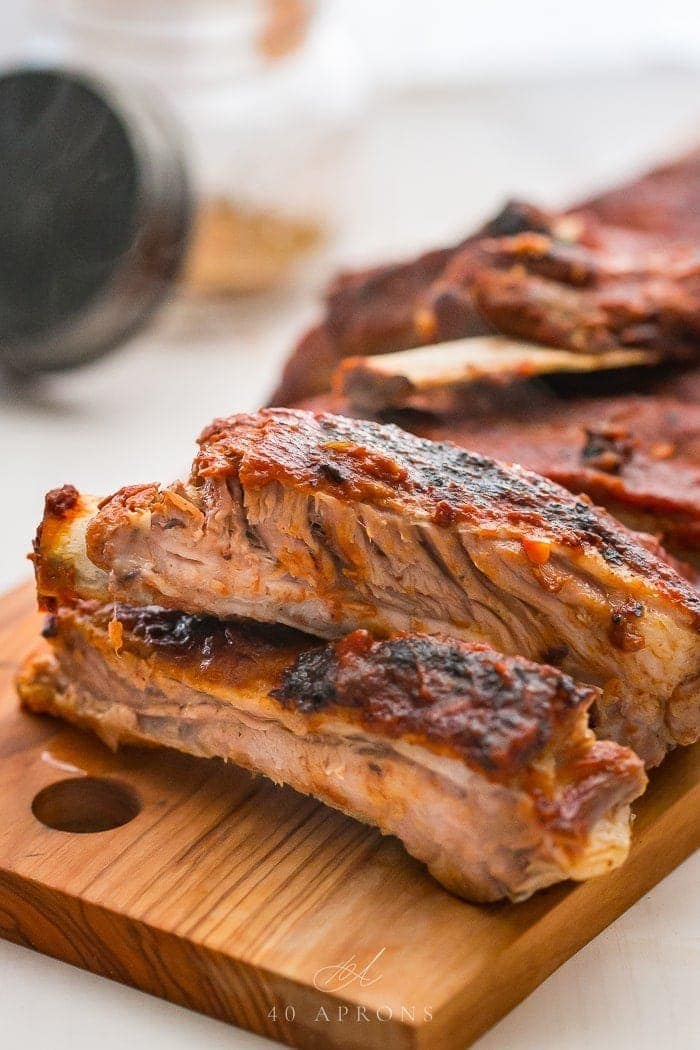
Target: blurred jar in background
x=266, y=92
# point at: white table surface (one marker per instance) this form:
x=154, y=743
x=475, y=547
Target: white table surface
x=422, y=169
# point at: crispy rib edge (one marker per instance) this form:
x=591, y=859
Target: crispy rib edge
x=62, y=568
x=504, y=853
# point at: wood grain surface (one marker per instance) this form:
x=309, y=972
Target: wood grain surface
x=237, y=898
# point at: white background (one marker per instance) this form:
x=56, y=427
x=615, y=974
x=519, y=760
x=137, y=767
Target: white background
x=426, y=164
x=415, y=41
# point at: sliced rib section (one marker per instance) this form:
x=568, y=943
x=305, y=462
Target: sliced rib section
x=329, y=524
x=484, y=766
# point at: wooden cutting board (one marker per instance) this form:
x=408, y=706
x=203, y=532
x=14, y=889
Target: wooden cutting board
x=261, y=907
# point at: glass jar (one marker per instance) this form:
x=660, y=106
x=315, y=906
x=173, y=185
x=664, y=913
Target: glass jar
x=266, y=92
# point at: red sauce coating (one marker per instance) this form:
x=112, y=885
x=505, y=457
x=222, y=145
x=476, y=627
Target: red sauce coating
x=496, y=712
x=610, y=270
x=59, y=501
x=358, y=460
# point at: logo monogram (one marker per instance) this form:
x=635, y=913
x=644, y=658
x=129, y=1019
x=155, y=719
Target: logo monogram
x=340, y=975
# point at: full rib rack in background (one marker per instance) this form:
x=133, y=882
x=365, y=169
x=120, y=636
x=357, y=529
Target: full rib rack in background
x=483, y=766
x=622, y=269
x=329, y=524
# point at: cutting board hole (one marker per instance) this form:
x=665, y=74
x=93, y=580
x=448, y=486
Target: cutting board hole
x=85, y=805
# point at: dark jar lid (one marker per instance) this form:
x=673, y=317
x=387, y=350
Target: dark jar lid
x=95, y=210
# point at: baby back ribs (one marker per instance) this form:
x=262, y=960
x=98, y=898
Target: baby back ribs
x=329, y=524
x=483, y=765
x=570, y=281
x=621, y=269
x=367, y=312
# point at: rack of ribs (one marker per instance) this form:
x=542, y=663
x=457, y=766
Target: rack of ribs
x=622, y=269
x=330, y=525
x=458, y=651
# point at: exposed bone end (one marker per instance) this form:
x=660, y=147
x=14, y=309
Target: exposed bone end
x=393, y=380
x=608, y=846
x=63, y=569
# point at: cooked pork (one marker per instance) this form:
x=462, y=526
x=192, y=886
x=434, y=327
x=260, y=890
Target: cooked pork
x=329, y=524
x=622, y=269
x=638, y=455
x=572, y=282
x=484, y=766
x=368, y=312
x=637, y=452
x=664, y=202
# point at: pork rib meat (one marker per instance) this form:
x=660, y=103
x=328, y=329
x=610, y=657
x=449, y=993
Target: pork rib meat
x=484, y=766
x=329, y=525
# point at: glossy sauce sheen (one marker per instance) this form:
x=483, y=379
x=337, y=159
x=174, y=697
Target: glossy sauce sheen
x=357, y=460
x=237, y=653
x=636, y=453
x=496, y=713
x=620, y=268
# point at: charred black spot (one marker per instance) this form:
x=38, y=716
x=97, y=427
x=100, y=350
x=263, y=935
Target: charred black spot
x=202, y=637
x=50, y=628
x=515, y=217
x=333, y=473
x=606, y=450
x=556, y=654
x=309, y=685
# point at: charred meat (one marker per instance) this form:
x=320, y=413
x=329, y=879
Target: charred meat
x=329, y=525
x=622, y=269
x=636, y=453
x=484, y=766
